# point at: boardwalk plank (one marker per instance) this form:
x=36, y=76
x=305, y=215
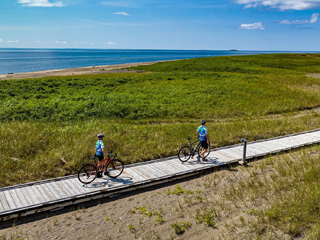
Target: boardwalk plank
x=27, y=196
x=4, y=202
x=165, y=169
x=33, y=195
x=80, y=186
x=64, y=188
x=190, y=164
x=221, y=157
x=15, y=198
x=21, y=197
x=136, y=176
x=56, y=193
x=37, y=194
x=146, y=172
x=72, y=189
x=47, y=197
x=48, y=192
x=176, y=165
x=157, y=168
x=58, y=190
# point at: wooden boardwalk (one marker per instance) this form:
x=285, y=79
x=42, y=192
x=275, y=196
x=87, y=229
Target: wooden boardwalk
x=29, y=198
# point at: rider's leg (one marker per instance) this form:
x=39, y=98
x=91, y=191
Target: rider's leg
x=203, y=152
x=204, y=146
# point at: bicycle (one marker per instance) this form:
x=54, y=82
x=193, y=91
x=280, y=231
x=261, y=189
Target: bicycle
x=89, y=172
x=189, y=150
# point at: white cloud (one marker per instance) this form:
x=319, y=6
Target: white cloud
x=111, y=43
x=257, y=25
x=314, y=19
x=14, y=41
x=281, y=4
x=1, y=40
x=122, y=13
x=40, y=3
x=60, y=42
x=89, y=20
x=39, y=42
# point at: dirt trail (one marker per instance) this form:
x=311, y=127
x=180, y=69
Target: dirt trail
x=116, y=219
x=315, y=75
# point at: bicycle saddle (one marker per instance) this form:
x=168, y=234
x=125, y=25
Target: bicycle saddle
x=189, y=138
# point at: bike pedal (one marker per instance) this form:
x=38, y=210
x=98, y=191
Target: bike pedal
x=99, y=175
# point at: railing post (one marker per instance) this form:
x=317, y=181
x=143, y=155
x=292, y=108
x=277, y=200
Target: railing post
x=244, y=162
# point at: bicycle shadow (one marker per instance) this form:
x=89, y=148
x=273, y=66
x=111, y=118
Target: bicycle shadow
x=207, y=160
x=106, y=182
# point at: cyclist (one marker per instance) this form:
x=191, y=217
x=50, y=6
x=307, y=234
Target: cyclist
x=99, y=150
x=203, y=136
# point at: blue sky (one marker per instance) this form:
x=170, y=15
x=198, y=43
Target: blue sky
x=161, y=24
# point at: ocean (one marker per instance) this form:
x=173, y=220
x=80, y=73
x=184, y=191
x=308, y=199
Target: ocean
x=31, y=60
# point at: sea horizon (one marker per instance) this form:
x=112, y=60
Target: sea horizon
x=22, y=60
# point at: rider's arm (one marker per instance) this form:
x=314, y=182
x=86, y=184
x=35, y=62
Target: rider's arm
x=208, y=139
x=198, y=135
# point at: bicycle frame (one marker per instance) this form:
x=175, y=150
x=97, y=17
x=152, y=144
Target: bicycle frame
x=193, y=145
x=106, y=160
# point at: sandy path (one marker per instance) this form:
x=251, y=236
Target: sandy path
x=76, y=71
x=114, y=218
x=315, y=75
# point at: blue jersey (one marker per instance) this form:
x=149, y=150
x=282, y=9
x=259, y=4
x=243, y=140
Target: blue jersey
x=99, y=146
x=202, y=130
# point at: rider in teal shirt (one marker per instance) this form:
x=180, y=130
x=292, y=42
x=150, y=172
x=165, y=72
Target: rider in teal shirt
x=100, y=147
x=203, y=136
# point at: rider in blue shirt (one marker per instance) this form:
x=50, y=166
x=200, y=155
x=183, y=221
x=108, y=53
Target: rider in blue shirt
x=100, y=147
x=99, y=151
x=203, y=136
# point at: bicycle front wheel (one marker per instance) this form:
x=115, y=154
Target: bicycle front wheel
x=200, y=150
x=87, y=173
x=114, y=168
x=184, y=154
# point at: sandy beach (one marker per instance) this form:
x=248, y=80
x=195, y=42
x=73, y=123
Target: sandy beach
x=76, y=71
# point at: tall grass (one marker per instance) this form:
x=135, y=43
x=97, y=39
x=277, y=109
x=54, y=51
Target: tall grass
x=282, y=193
x=32, y=151
x=48, y=125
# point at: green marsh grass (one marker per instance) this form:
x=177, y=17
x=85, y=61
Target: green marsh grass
x=48, y=126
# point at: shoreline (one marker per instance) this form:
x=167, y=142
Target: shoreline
x=78, y=71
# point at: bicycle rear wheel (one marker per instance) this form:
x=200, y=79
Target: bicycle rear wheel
x=114, y=168
x=87, y=173
x=184, y=154
x=200, y=150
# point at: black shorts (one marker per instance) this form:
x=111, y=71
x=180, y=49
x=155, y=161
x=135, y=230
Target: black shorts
x=204, y=144
x=100, y=157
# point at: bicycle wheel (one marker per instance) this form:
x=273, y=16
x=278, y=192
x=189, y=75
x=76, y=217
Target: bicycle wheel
x=114, y=168
x=184, y=154
x=200, y=150
x=87, y=173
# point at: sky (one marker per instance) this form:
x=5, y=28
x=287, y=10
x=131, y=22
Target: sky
x=288, y=25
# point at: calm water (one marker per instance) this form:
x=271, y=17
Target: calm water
x=30, y=60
